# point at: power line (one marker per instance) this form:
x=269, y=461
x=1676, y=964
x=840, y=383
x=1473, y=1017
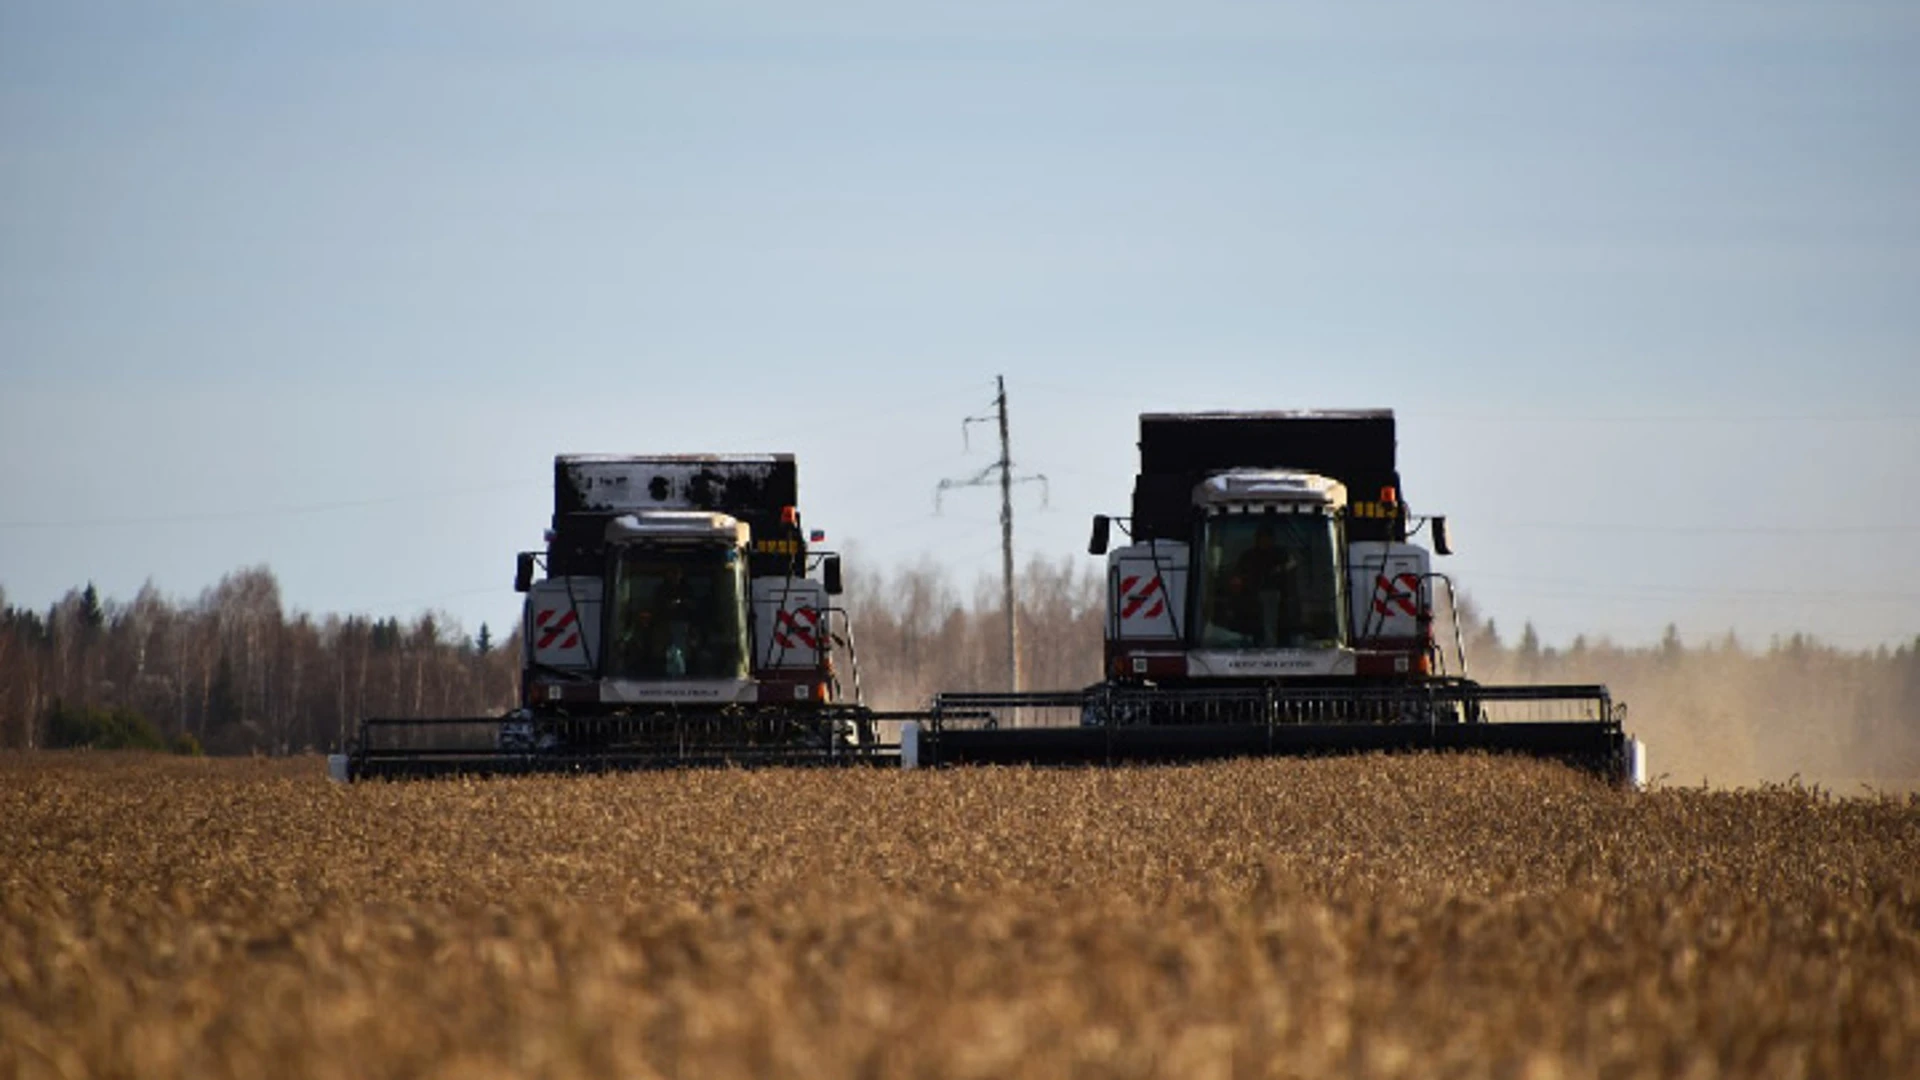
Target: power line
x=1599, y=588
x=1665, y=418
x=407, y=601
x=263, y=512
x=1706, y=530
x=1541, y=416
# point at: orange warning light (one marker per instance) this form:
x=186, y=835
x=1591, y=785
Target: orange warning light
x=789, y=516
x=1389, y=496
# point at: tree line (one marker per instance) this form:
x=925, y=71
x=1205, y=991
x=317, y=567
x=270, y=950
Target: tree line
x=233, y=671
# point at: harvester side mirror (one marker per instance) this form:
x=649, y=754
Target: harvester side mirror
x=1102, y=532
x=523, y=573
x=1442, y=544
x=830, y=575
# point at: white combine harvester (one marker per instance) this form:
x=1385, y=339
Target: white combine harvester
x=684, y=617
x=1272, y=601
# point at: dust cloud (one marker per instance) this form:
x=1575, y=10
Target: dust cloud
x=1725, y=714
x=1721, y=713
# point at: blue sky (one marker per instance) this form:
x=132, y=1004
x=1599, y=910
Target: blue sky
x=326, y=286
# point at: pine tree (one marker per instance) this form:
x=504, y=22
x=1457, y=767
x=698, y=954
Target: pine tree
x=223, y=700
x=92, y=616
x=1671, y=648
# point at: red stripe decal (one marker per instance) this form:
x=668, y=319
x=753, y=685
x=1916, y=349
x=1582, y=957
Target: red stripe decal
x=552, y=632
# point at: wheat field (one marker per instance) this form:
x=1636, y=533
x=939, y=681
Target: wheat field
x=1408, y=917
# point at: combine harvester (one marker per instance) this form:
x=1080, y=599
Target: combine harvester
x=1271, y=603
x=683, y=618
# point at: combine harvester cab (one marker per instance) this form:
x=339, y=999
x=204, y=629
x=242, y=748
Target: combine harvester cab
x=1271, y=601
x=678, y=616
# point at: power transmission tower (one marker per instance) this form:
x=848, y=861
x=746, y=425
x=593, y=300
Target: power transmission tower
x=1005, y=468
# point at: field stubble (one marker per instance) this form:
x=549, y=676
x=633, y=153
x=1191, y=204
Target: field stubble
x=1384, y=917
